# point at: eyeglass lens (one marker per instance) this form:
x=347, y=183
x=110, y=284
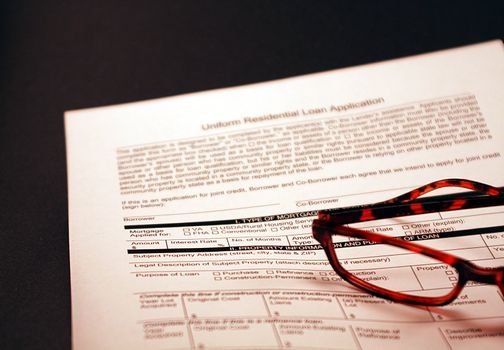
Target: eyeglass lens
x=397, y=269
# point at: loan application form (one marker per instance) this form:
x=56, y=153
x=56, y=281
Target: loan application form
x=190, y=216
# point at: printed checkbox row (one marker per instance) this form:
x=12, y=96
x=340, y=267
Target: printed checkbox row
x=330, y=278
x=217, y=274
x=330, y=273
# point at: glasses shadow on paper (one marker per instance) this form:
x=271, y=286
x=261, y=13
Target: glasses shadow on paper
x=350, y=295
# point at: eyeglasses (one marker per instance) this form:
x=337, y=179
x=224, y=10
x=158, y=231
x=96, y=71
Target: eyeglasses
x=455, y=271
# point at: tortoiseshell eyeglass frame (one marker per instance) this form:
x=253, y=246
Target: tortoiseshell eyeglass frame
x=332, y=222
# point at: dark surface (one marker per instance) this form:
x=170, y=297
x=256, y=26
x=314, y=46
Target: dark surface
x=61, y=55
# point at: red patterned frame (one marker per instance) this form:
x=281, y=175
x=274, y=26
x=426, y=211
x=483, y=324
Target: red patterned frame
x=331, y=222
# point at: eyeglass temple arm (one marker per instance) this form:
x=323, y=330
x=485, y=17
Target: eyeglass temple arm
x=462, y=183
x=476, y=273
x=408, y=204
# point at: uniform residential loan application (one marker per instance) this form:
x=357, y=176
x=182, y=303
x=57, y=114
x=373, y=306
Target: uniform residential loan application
x=190, y=216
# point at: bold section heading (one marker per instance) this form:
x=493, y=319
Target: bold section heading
x=293, y=114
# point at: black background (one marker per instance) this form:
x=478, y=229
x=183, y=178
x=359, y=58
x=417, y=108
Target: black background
x=62, y=55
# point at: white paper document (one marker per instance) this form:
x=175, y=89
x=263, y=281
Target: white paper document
x=190, y=216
